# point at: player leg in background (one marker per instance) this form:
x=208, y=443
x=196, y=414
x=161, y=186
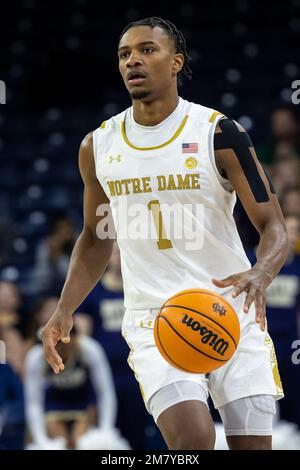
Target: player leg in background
x=187, y=426
x=248, y=422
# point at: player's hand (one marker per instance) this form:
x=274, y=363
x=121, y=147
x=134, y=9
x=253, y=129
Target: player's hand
x=57, y=329
x=253, y=282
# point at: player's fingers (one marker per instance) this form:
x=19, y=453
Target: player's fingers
x=263, y=324
x=52, y=356
x=228, y=281
x=240, y=287
x=249, y=299
x=54, y=359
x=260, y=306
x=65, y=339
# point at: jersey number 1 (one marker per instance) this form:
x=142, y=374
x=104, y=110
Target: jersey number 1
x=163, y=243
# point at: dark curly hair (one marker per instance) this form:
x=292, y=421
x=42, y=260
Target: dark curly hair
x=174, y=34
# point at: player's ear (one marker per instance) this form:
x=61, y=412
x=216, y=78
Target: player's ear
x=178, y=62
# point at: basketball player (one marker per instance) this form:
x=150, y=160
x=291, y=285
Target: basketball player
x=164, y=149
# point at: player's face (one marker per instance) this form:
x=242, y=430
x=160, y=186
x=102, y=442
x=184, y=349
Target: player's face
x=148, y=62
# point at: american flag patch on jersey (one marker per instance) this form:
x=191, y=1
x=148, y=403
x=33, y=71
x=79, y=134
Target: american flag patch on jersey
x=190, y=148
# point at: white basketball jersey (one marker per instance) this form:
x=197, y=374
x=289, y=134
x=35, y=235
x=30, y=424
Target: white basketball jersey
x=173, y=217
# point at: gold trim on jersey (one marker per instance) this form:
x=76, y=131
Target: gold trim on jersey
x=131, y=365
x=179, y=130
x=276, y=376
x=103, y=125
x=213, y=116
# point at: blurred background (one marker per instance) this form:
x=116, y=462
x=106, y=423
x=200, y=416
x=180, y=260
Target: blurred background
x=59, y=63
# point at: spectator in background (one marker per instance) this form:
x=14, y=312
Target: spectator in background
x=285, y=174
x=9, y=304
x=283, y=310
x=101, y=314
x=11, y=331
x=290, y=204
x=62, y=408
x=12, y=423
x=53, y=256
x=290, y=200
x=285, y=141
x=7, y=233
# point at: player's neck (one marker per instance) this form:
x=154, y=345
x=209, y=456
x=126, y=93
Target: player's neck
x=154, y=112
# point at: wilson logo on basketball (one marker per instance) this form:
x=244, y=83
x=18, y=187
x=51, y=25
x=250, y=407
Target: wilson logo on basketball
x=219, y=345
x=217, y=308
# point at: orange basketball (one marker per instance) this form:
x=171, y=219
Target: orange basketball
x=197, y=331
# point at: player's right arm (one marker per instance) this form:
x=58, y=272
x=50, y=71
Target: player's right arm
x=89, y=259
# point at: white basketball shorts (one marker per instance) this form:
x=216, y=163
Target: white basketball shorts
x=251, y=371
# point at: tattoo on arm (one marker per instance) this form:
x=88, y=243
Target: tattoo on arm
x=239, y=141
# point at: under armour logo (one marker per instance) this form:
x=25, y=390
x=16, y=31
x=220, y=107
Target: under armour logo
x=146, y=325
x=111, y=159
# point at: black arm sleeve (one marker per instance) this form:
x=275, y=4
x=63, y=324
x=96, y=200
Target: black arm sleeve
x=239, y=141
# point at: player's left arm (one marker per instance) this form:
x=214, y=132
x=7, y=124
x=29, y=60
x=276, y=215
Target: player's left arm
x=236, y=160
